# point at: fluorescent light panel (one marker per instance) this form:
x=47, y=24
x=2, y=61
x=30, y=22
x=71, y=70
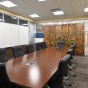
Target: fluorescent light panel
x=41, y=0
x=8, y=4
x=34, y=15
x=58, y=12
x=86, y=10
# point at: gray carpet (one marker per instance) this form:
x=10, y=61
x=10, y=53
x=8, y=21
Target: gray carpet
x=81, y=79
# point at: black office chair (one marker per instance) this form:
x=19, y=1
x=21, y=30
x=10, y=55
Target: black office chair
x=70, y=66
x=43, y=45
x=30, y=48
x=3, y=57
x=4, y=79
x=38, y=46
x=73, y=47
x=73, y=55
x=60, y=44
x=17, y=51
x=57, y=80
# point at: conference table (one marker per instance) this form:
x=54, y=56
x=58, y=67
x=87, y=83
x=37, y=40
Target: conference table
x=35, y=69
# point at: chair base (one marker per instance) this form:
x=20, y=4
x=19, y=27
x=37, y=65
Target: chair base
x=66, y=81
x=72, y=73
x=66, y=77
x=64, y=86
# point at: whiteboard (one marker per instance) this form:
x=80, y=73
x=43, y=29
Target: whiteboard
x=10, y=34
x=23, y=35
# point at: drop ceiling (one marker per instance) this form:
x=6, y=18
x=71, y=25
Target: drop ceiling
x=71, y=9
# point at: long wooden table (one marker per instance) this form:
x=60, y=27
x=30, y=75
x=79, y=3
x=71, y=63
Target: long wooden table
x=35, y=69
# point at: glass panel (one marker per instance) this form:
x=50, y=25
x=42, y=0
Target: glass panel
x=23, y=22
x=1, y=17
x=42, y=23
x=59, y=23
x=77, y=21
x=66, y=22
x=10, y=19
x=51, y=23
x=86, y=25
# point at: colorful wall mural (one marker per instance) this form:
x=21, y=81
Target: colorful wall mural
x=69, y=33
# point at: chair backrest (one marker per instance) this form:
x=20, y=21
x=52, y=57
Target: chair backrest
x=4, y=79
x=9, y=52
x=38, y=46
x=43, y=45
x=24, y=48
x=30, y=48
x=70, y=51
x=73, y=47
x=3, y=56
x=61, y=71
x=17, y=51
x=61, y=44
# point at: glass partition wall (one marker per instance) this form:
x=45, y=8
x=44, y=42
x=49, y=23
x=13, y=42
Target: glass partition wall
x=14, y=31
x=1, y=30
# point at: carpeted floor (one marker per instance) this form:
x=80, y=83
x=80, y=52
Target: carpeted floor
x=81, y=79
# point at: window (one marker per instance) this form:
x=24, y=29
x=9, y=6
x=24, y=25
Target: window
x=10, y=19
x=23, y=22
x=1, y=17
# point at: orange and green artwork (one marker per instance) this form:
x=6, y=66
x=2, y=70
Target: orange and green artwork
x=80, y=39
x=69, y=33
x=65, y=34
x=72, y=34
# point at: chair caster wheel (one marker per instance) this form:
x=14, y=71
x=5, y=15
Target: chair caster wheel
x=69, y=84
x=70, y=70
x=74, y=75
x=67, y=79
x=75, y=63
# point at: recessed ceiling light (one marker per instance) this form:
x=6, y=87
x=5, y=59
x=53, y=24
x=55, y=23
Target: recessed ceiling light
x=58, y=13
x=34, y=15
x=8, y=4
x=41, y=0
x=86, y=10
